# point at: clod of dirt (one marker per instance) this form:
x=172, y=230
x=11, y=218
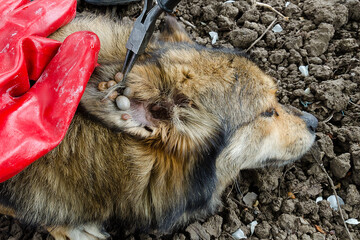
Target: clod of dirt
x=294, y=42
x=209, y=13
x=276, y=204
x=326, y=12
x=346, y=45
x=355, y=155
x=354, y=9
x=267, y=179
x=242, y=38
x=288, y=206
x=304, y=226
x=325, y=210
x=247, y=217
x=353, y=195
x=232, y=222
x=267, y=18
x=292, y=10
x=213, y=226
x=254, y=26
x=326, y=145
x=331, y=93
x=321, y=72
x=340, y=165
x=318, y=40
x=277, y=57
x=305, y=237
x=195, y=11
x=318, y=236
x=355, y=213
x=307, y=207
x=16, y=231
x=225, y=23
x=309, y=188
x=197, y=232
x=262, y=230
x=355, y=73
x=178, y=236
x=287, y=221
x=229, y=10
x=351, y=133
x=294, y=56
x=270, y=38
x=252, y=15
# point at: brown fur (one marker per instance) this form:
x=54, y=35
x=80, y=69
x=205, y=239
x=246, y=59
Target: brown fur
x=197, y=120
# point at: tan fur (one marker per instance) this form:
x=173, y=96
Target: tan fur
x=204, y=111
x=7, y=211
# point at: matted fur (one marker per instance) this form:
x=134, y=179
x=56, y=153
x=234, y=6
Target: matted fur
x=199, y=116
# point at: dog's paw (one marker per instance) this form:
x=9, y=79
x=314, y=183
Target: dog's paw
x=131, y=112
x=84, y=232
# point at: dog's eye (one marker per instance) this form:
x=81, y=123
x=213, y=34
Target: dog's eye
x=189, y=104
x=269, y=113
x=183, y=101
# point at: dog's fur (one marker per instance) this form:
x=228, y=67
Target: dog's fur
x=199, y=116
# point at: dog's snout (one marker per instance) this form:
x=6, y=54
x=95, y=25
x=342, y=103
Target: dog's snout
x=310, y=120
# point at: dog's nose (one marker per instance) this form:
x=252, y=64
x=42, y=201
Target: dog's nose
x=310, y=120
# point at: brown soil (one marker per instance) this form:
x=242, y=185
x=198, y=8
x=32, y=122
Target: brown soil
x=323, y=35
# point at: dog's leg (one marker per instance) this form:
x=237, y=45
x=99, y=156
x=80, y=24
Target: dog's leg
x=84, y=232
x=172, y=31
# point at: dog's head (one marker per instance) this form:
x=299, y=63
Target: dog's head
x=188, y=99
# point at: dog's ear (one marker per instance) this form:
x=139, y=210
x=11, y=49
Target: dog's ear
x=172, y=31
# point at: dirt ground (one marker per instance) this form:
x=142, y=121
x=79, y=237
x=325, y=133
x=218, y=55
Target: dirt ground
x=325, y=37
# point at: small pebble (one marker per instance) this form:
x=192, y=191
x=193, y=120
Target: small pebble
x=352, y=221
x=277, y=28
x=127, y=92
x=214, y=37
x=102, y=86
x=239, y=234
x=123, y=103
x=125, y=116
x=119, y=77
x=113, y=95
x=304, y=70
x=111, y=83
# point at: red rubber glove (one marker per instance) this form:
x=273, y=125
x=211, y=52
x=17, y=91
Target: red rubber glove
x=34, y=120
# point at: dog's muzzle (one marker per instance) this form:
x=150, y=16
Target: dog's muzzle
x=310, y=120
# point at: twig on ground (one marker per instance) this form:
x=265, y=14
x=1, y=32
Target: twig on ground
x=287, y=169
x=241, y=204
x=259, y=38
x=335, y=193
x=354, y=103
x=232, y=187
x=329, y=118
x=272, y=9
x=187, y=22
x=230, y=236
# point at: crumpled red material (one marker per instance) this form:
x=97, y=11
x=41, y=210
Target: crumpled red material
x=34, y=120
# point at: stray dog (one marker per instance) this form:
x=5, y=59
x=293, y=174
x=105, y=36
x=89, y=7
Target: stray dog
x=197, y=117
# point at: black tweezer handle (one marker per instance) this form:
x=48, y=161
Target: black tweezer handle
x=168, y=5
